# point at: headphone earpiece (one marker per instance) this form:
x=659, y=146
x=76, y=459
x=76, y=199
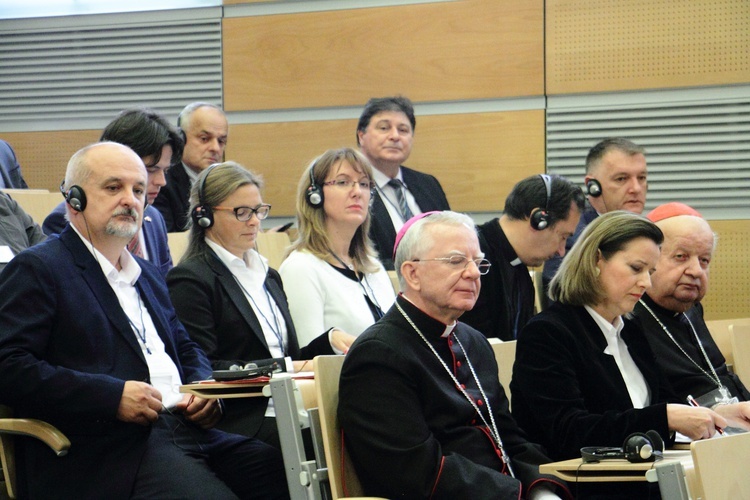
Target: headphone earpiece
x=202, y=213
x=637, y=448
x=314, y=193
x=593, y=188
x=539, y=217
x=75, y=196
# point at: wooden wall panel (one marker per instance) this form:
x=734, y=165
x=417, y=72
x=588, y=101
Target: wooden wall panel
x=477, y=157
x=729, y=287
x=595, y=46
x=43, y=156
x=468, y=49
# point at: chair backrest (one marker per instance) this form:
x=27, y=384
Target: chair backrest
x=505, y=354
x=37, y=203
x=178, y=243
x=740, y=334
x=272, y=246
x=721, y=467
x=719, y=329
x=341, y=472
x=536, y=278
x=394, y=281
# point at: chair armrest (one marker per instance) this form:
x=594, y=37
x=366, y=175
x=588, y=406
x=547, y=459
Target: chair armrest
x=37, y=429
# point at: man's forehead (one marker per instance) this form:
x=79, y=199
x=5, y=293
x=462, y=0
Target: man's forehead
x=391, y=117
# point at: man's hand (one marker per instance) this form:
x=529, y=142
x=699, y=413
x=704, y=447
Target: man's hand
x=737, y=414
x=140, y=403
x=341, y=340
x=204, y=413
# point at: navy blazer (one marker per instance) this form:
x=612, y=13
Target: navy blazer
x=174, y=199
x=154, y=232
x=567, y=393
x=66, y=350
x=10, y=170
x=429, y=196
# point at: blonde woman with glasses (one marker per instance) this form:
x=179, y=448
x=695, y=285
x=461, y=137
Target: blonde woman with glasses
x=332, y=276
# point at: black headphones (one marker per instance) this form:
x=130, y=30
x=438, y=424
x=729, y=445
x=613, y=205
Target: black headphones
x=593, y=188
x=638, y=447
x=314, y=193
x=202, y=213
x=539, y=217
x=75, y=197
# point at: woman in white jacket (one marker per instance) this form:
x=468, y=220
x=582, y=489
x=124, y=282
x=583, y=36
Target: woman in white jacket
x=332, y=277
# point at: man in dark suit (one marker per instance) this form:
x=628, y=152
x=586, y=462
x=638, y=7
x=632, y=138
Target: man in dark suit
x=160, y=146
x=10, y=170
x=17, y=230
x=205, y=130
x=616, y=179
x=90, y=342
x=385, y=134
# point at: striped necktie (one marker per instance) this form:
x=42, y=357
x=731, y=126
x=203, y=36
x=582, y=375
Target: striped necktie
x=403, y=207
x=134, y=247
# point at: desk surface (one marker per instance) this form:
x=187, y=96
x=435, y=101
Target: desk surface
x=608, y=470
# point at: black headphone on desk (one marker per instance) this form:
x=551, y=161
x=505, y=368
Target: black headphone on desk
x=539, y=217
x=637, y=448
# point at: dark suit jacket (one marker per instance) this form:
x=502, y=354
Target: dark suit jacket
x=174, y=199
x=17, y=229
x=10, y=170
x=216, y=314
x=429, y=196
x=66, y=350
x=154, y=231
x=568, y=394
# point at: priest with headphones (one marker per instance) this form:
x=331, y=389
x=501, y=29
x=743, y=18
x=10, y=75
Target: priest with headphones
x=616, y=179
x=541, y=213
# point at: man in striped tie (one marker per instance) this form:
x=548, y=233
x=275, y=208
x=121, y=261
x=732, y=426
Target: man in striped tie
x=385, y=134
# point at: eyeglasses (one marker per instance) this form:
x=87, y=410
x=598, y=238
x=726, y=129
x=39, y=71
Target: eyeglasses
x=347, y=184
x=462, y=262
x=244, y=214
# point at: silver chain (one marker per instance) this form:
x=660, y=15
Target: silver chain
x=492, y=430
x=715, y=377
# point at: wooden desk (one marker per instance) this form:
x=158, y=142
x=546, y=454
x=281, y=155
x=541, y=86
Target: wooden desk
x=224, y=390
x=610, y=470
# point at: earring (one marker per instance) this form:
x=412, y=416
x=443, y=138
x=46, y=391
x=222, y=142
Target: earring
x=598, y=271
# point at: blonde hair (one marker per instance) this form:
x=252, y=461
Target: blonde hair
x=577, y=281
x=311, y=221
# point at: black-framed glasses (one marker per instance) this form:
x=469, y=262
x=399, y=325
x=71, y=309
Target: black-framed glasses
x=461, y=262
x=244, y=214
x=348, y=184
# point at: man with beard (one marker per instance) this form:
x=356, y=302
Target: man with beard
x=90, y=342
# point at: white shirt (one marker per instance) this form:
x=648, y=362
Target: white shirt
x=388, y=194
x=162, y=369
x=250, y=274
x=637, y=387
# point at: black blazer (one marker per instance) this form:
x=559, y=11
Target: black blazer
x=429, y=196
x=174, y=199
x=568, y=394
x=216, y=314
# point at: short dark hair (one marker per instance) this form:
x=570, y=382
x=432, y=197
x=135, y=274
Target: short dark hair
x=603, y=147
x=146, y=132
x=379, y=104
x=531, y=193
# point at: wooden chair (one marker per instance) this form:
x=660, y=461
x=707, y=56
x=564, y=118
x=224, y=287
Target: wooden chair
x=721, y=467
x=740, y=335
x=43, y=431
x=719, y=329
x=273, y=246
x=341, y=475
x=505, y=354
x=35, y=202
x=178, y=243
x=394, y=281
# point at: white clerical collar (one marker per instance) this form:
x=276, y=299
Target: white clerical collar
x=130, y=272
x=516, y=262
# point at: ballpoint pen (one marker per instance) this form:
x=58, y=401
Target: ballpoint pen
x=692, y=402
